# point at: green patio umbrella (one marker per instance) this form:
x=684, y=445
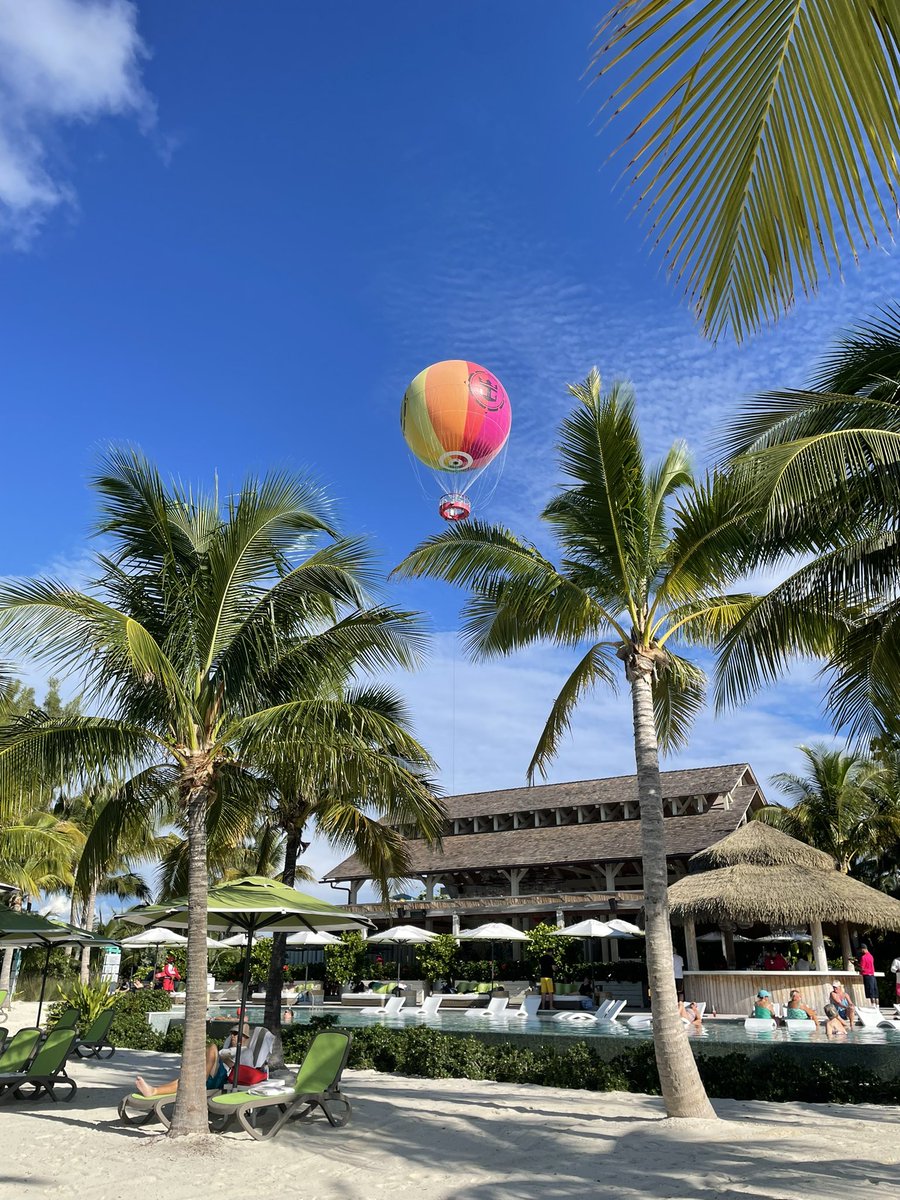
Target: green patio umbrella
x=24, y=929
x=250, y=905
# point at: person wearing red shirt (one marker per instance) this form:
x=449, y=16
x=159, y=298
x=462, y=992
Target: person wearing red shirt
x=867, y=970
x=775, y=961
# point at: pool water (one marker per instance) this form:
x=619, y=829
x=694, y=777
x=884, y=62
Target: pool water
x=455, y=1021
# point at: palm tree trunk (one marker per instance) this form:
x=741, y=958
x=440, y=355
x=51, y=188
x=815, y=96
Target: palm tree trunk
x=682, y=1088
x=272, y=1017
x=191, y=1115
x=87, y=917
x=6, y=970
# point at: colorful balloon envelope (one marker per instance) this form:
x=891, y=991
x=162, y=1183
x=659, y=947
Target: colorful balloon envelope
x=456, y=418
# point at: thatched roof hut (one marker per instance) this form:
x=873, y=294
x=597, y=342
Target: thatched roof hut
x=759, y=874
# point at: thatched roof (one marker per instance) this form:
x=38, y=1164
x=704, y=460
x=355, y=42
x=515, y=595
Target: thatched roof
x=773, y=879
x=760, y=845
x=781, y=896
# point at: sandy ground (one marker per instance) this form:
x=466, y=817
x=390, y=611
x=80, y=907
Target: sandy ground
x=437, y=1139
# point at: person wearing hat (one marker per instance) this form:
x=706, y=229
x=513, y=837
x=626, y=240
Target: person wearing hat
x=840, y=1006
x=762, y=1006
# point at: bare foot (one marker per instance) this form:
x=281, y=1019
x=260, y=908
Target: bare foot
x=144, y=1087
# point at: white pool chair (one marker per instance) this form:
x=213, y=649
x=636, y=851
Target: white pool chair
x=869, y=1018
x=640, y=1021
x=800, y=1025
x=390, y=1009
x=528, y=1008
x=616, y=1008
x=496, y=1008
x=428, y=1007
x=760, y=1024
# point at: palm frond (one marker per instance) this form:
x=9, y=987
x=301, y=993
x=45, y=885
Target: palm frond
x=679, y=692
x=597, y=666
x=766, y=141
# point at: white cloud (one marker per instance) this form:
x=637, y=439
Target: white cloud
x=61, y=61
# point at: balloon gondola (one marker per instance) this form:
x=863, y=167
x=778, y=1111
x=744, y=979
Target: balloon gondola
x=456, y=418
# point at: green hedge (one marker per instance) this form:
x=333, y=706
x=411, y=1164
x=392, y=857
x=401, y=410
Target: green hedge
x=433, y=1055
x=130, y=1027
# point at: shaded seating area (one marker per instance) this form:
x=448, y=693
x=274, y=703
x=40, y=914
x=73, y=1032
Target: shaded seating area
x=761, y=876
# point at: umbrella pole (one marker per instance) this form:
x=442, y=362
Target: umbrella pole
x=43, y=982
x=492, y=968
x=245, y=988
x=591, y=966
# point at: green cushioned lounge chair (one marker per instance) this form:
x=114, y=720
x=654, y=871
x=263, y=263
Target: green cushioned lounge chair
x=135, y=1109
x=96, y=1043
x=18, y=1051
x=318, y=1085
x=4, y=1002
x=68, y=1019
x=46, y=1073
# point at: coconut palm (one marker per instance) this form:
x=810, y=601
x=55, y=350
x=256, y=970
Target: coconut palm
x=365, y=822
x=825, y=464
x=187, y=642
x=647, y=554
x=837, y=805
x=766, y=140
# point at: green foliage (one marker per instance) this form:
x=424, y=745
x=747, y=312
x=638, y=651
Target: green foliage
x=438, y=959
x=90, y=999
x=130, y=1027
x=541, y=941
x=348, y=961
x=172, y=1040
x=430, y=1054
x=260, y=957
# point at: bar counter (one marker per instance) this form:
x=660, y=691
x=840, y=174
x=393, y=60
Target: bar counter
x=733, y=992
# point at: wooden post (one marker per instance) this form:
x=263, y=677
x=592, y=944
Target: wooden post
x=818, y=942
x=690, y=944
x=846, y=948
x=728, y=935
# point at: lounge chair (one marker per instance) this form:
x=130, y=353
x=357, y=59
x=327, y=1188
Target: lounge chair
x=585, y=1014
x=96, y=1043
x=68, y=1019
x=318, y=1085
x=869, y=1018
x=427, y=1009
x=760, y=1024
x=46, y=1072
x=528, y=1008
x=496, y=1008
x=389, y=1009
x=800, y=1025
x=18, y=1051
x=4, y=1002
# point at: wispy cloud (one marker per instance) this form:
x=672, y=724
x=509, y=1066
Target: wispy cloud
x=61, y=62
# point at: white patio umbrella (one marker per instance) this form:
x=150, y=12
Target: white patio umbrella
x=715, y=935
x=625, y=927
x=402, y=935
x=154, y=938
x=493, y=931
x=236, y=939
x=312, y=937
x=588, y=930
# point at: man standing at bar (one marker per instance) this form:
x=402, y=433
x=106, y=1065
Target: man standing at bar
x=867, y=970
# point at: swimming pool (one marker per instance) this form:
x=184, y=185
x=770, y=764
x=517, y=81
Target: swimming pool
x=714, y=1031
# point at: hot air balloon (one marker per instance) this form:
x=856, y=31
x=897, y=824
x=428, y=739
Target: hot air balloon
x=456, y=418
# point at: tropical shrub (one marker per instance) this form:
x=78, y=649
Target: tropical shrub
x=89, y=999
x=347, y=961
x=437, y=959
x=129, y=1027
x=543, y=940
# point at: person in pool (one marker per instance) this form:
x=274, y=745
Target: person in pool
x=762, y=1006
x=798, y=1010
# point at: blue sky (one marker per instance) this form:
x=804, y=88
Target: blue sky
x=232, y=233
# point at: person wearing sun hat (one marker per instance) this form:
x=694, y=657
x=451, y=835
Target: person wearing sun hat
x=762, y=1006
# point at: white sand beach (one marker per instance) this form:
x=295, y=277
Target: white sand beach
x=451, y=1140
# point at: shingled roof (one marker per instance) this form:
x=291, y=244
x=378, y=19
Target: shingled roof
x=607, y=841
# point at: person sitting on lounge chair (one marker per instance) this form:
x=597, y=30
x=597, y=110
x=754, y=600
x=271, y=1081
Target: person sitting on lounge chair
x=762, y=1005
x=586, y=992
x=216, y=1075
x=839, y=1010
x=690, y=1013
x=798, y=1010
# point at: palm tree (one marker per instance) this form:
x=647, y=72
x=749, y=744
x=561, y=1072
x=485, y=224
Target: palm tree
x=834, y=805
x=365, y=822
x=188, y=642
x=766, y=141
x=647, y=553
x=825, y=465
